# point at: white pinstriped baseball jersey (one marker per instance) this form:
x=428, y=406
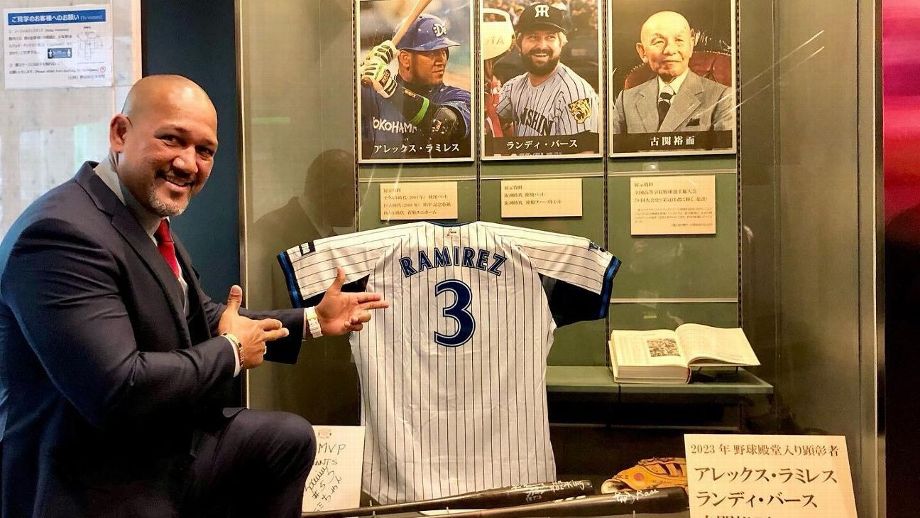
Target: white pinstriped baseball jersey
x=453, y=372
x=564, y=104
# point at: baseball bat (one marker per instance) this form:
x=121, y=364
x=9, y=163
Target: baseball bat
x=627, y=503
x=404, y=26
x=417, y=10
x=513, y=495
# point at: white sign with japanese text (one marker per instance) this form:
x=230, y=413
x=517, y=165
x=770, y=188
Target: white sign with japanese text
x=672, y=205
x=418, y=201
x=541, y=198
x=335, y=480
x=57, y=47
x=769, y=476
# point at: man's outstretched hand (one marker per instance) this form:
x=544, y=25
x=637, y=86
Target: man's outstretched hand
x=342, y=312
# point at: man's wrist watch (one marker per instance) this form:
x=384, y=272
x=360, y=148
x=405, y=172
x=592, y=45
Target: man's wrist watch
x=313, y=322
x=236, y=343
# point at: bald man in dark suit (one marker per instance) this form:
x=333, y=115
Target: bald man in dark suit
x=116, y=368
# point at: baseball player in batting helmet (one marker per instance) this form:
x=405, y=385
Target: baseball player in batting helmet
x=427, y=32
x=415, y=102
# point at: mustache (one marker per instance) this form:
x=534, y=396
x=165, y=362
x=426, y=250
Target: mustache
x=170, y=173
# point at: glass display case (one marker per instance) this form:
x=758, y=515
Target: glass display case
x=789, y=253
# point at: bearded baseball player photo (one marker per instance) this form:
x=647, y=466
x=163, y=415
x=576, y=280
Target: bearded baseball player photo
x=414, y=73
x=673, y=78
x=540, y=94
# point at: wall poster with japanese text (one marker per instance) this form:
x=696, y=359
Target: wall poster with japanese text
x=414, y=78
x=541, y=70
x=672, y=77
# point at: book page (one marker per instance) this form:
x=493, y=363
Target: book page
x=714, y=343
x=658, y=347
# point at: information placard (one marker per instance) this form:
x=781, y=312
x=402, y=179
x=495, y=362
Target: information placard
x=335, y=480
x=418, y=200
x=541, y=198
x=769, y=476
x=57, y=47
x=672, y=205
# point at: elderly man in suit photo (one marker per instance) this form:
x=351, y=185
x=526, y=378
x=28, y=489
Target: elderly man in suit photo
x=676, y=99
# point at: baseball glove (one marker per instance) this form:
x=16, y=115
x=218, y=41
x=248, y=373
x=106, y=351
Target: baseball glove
x=649, y=474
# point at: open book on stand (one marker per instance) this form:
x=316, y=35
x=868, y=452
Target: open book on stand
x=665, y=356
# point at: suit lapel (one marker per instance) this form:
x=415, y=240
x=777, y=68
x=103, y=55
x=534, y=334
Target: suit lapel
x=647, y=106
x=197, y=320
x=684, y=104
x=126, y=224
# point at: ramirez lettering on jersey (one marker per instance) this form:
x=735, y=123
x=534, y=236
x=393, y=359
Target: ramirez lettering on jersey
x=464, y=257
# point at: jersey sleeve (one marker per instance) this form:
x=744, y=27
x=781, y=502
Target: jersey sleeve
x=576, y=108
x=369, y=110
x=310, y=268
x=460, y=100
x=577, y=274
x=504, y=109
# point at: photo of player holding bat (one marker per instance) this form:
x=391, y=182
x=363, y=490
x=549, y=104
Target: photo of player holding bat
x=414, y=70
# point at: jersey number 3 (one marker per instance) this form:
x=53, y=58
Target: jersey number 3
x=459, y=311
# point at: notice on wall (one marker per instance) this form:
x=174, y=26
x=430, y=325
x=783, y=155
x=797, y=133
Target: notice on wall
x=57, y=47
x=418, y=200
x=669, y=205
x=541, y=198
x=769, y=476
x=335, y=480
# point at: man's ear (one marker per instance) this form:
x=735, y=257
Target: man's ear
x=118, y=129
x=641, y=51
x=404, y=58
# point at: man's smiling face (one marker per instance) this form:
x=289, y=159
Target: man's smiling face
x=667, y=44
x=165, y=150
x=541, y=50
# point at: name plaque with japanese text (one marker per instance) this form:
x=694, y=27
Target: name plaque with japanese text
x=418, y=201
x=769, y=476
x=672, y=205
x=541, y=198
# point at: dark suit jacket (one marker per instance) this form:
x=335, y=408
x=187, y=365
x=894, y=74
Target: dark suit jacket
x=107, y=379
x=700, y=105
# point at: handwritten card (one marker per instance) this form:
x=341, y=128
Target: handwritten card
x=672, y=205
x=769, y=476
x=541, y=198
x=335, y=480
x=418, y=201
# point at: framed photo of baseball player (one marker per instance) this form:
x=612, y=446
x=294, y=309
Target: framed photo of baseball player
x=414, y=62
x=672, y=79
x=541, y=70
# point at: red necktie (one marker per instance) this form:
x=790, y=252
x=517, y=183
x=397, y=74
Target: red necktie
x=166, y=246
